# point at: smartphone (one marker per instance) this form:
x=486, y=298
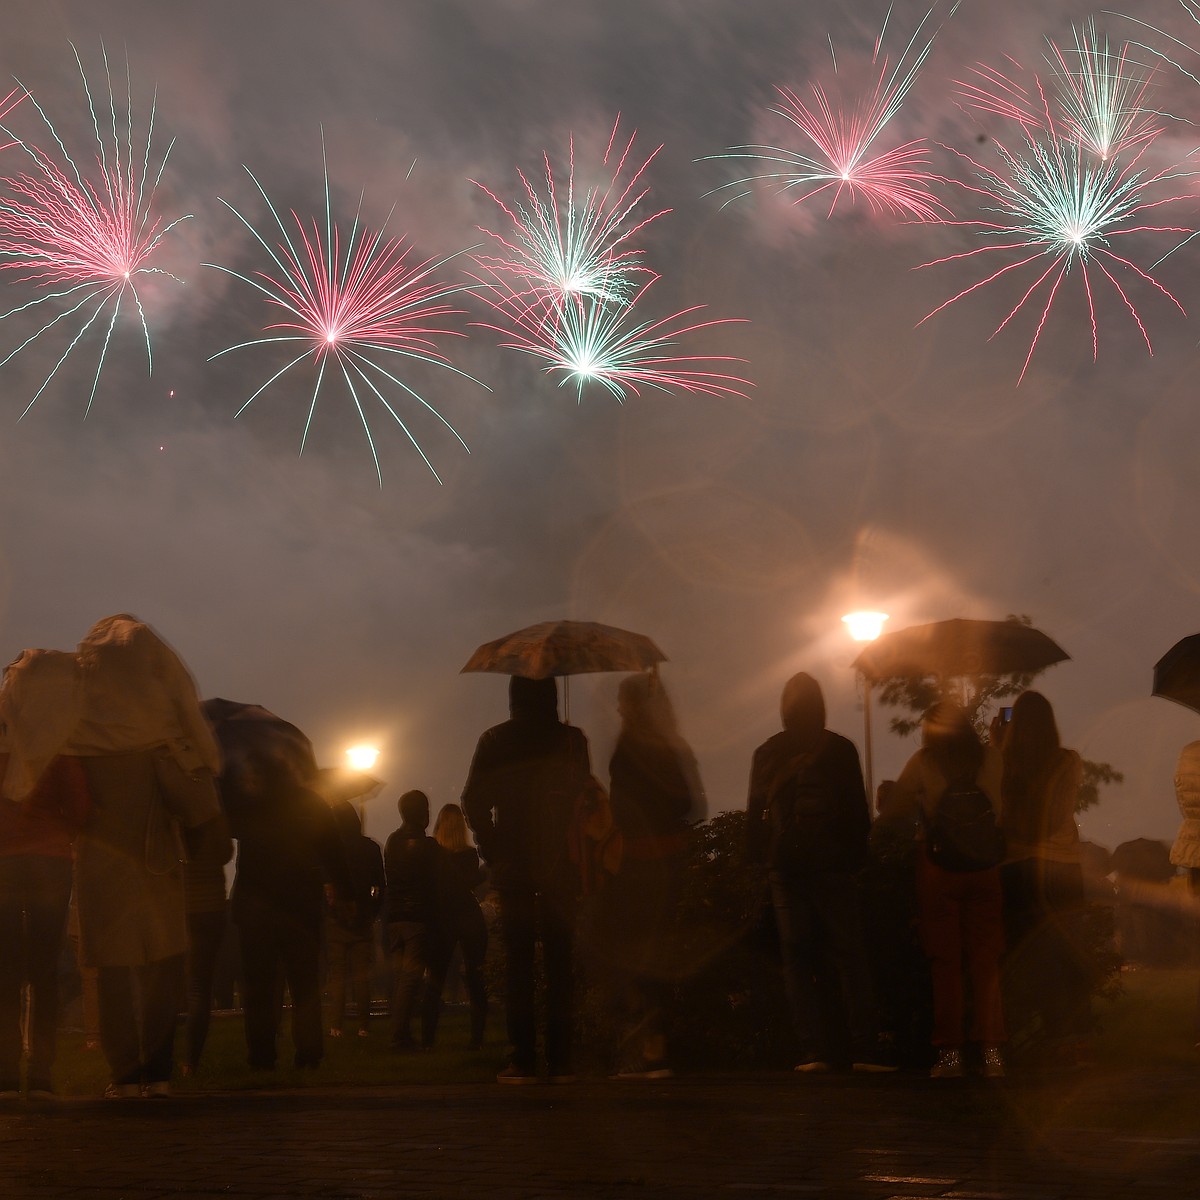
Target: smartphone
x=1006, y=715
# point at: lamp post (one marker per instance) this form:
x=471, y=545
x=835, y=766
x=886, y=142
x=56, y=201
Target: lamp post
x=866, y=627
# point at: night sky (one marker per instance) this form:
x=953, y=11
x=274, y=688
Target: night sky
x=874, y=464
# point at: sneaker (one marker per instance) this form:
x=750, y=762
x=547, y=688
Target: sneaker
x=514, y=1075
x=122, y=1091
x=814, y=1066
x=873, y=1066
x=160, y=1089
x=40, y=1092
x=362, y=1033
x=993, y=1062
x=335, y=1032
x=10, y=1096
x=949, y=1064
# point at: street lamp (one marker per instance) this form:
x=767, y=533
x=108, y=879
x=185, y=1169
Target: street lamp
x=362, y=758
x=866, y=627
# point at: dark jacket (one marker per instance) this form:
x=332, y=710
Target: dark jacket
x=410, y=866
x=651, y=791
x=521, y=793
x=458, y=875
x=834, y=769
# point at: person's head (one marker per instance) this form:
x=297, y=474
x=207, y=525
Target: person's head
x=949, y=736
x=414, y=809
x=347, y=818
x=645, y=708
x=802, y=707
x=1033, y=732
x=533, y=699
x=450, y=828
x=885, y=795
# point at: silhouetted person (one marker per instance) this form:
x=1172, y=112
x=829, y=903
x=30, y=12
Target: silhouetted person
x=289, y=848
x=350, y=930
x=209, y=848
x=520, y=799
x=457, y=923
x=35, y=891
x=1185, y=851
x=1042, y=877
x=960, y=912
x=654, y=790
x=410, y=864
x=808, y=821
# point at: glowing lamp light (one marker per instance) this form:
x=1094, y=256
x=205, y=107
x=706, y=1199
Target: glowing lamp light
x=362, y=758
x=864, y=626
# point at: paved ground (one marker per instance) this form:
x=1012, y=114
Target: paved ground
x=731, y=1137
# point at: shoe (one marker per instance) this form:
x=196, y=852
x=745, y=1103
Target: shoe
x=122, y=1091
x=335, y=1032
x=814, y=1066
x=514, y=1075
x=10, y=1096
x=993, y=1062
x=873, y=1066
x=650, y=1071
x=160, y=1089
x=40, y=1092
x=362, y=1033
x=949, y=1064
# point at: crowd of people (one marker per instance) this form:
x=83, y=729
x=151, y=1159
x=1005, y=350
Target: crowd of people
x=892, y=932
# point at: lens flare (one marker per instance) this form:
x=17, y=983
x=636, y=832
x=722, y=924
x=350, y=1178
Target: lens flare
x=81, y=240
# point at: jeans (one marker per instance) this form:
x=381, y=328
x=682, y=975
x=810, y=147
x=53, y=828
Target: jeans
x=279, y=947
x=826, y=972
x=139, y=1007
x=523, y=916
x=350, y=959
x=206, y=931
x=472, y=937
x=34, y=893
x=409, y=943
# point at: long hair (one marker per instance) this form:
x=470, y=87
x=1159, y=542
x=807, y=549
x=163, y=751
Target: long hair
x=1031, y=752
x=646, y=709
x=950, y=738
x=450, y=828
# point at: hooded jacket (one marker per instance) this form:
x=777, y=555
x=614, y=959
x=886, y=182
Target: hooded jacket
x=521, y=792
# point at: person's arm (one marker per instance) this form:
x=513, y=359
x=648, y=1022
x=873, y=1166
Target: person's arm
x=756, y=809
x=477, y=799
x=856, y=807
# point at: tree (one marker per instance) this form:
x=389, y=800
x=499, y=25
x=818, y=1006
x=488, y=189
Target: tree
x=981, y=695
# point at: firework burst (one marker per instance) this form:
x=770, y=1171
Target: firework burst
x=1054, y=210
x=591, y=341
x=356, y=306
x=83, y=240
x=840, y=158
x=570, y=244
x=1097, y=95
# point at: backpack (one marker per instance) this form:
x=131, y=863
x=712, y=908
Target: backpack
x=962, y=835
x=804, y=819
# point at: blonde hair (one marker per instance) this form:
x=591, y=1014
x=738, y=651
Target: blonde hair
x=450, y=829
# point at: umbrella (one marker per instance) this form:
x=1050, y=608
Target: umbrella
x=1177, y=673
x=566, y=648
x=248, y=733
x=959, y=647
x=336, y=784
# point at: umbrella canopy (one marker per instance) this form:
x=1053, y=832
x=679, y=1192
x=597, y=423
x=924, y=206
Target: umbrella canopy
x=959, y=647
x=248, y=733
x=335, y=784
x=566, y=648
x=1177, y=673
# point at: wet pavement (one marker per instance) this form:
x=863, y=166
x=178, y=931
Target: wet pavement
x=710, y=1136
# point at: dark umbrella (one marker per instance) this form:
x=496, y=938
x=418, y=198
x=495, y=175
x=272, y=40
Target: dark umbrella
x=566, y=648
x=1177, y=673
x=959, y=647
x=248, y=734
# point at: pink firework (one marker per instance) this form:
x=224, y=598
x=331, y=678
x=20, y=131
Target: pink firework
x=591, y=340
x=83, y=241
x=839, y=156
x=351, y=304
x=1052, y=210
x=1096, y=94
x=573, y=242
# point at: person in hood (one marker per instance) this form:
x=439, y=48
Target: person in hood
x=521, y=800
x=809, y=824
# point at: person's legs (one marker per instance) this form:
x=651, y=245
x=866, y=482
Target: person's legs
x=119, y=1037
x=48, y=898
x=941, y=934
x=337, y=962
x=260, y=988
x=794, y=921
x=441, y=949
x=983, y=936
x=205, y=933
x=161, y=988
x=558, y=945
x=409, y=944
x=361, y=961
x=474, y=942
x=300, y=945
x=12, y=969
x=518, y=922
